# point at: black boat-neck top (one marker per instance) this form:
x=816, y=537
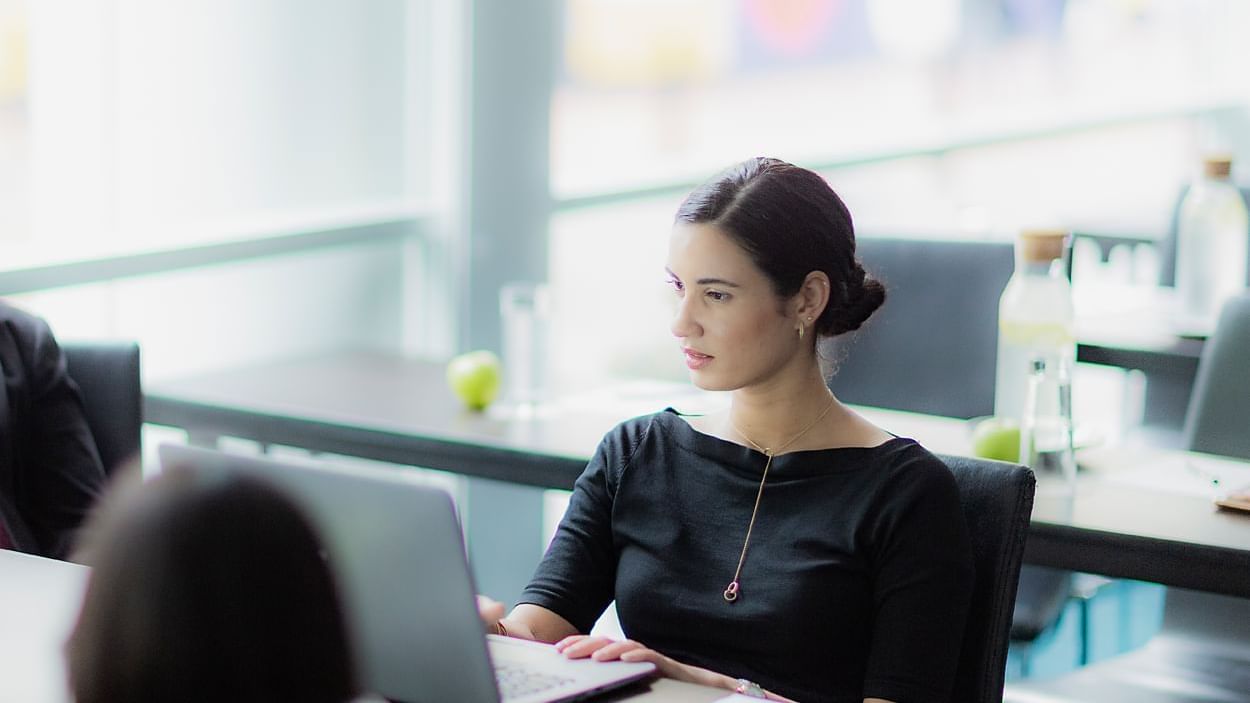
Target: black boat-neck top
x=856, y=582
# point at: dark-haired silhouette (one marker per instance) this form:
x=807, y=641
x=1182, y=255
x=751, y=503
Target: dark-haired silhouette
x=207, y=591
x=50, y=472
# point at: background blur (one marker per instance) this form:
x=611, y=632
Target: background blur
x=240, y=180
x=236, y=181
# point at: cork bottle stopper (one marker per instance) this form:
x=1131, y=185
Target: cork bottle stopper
x=1217, y=166
x=1041, y=245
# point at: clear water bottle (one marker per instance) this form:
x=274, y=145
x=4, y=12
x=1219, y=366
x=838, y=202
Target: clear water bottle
x=1211, y=241
x=1035, y=318
x=1046, y=427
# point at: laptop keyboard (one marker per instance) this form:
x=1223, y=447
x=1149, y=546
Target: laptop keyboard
x=516, y=680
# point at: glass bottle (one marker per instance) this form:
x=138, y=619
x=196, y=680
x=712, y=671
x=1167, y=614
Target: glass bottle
x=1035, y=318
x=526, y=312
x=1046, y=426
x=1211, y=241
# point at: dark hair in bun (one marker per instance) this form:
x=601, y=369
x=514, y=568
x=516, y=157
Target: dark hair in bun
x=790, y=222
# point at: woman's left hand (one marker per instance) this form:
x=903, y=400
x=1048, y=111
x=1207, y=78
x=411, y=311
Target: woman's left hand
x=605, y=649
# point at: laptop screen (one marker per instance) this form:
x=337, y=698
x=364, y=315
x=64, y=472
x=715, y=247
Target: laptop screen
x=398, y=553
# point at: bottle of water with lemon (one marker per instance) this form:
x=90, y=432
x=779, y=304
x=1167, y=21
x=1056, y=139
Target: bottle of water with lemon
x=1035, y=318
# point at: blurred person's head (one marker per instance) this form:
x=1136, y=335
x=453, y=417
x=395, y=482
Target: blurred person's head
x=207, y=589
x=768, y=249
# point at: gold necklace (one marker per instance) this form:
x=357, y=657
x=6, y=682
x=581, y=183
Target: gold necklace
x=731, y=592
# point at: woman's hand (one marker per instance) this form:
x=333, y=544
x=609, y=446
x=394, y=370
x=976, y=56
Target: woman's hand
x=605, y=649
x=491, y=612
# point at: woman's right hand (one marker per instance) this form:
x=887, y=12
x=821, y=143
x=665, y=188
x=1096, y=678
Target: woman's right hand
x=606, y=649
x=491, y=612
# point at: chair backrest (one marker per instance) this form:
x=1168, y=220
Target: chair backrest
x=1167, y=246
x=931, y=348
x=1218, y=418
x=997, y=500
x=107, y=373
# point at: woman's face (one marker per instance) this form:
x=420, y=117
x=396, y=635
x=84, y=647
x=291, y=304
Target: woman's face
x=729, y=321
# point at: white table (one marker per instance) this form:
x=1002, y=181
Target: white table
x=39, y=601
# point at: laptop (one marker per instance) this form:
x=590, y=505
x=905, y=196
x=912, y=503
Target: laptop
x=398, y=554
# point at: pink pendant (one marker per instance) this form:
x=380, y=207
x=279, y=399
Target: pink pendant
x=731, y=593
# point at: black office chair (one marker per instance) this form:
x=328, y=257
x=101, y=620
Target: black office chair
x=1202, y=653
x=107, y=373
x=1218, y=418
x=931, y=347
x=997, y=500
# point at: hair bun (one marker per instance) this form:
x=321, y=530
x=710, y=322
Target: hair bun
x=864, y=294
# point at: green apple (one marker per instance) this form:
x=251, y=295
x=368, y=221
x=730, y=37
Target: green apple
x=474, y=377
x=997, y=438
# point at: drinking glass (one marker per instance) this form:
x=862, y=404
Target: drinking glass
x=525, y=310
x=1046, y=426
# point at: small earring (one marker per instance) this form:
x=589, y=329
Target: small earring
x=801, y=326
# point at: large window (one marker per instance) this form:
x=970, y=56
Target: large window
x=14, y=125
x=942, y=118
x=655, y=92
x=230, y=181
x=138, y=125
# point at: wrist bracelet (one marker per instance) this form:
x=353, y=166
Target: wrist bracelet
x=750, y=689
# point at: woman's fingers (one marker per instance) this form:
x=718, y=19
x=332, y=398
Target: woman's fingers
x=604, y=649
x=581, y=646
x=568, y=641
x=642, y=654
x=616, y=650
x=490, y=611
x=631, y=651
x=599, y=648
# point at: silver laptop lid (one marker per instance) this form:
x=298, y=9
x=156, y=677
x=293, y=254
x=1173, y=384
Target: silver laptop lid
x=398, y=554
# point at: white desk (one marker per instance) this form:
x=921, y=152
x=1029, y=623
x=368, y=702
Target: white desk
x=39, y=601
x=1133, y=328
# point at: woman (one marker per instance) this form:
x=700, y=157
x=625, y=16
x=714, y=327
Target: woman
x=786, y=547
x=207, y=591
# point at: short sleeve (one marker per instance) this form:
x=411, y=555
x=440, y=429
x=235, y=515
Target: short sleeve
x=576, y=577
x=923, y=586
